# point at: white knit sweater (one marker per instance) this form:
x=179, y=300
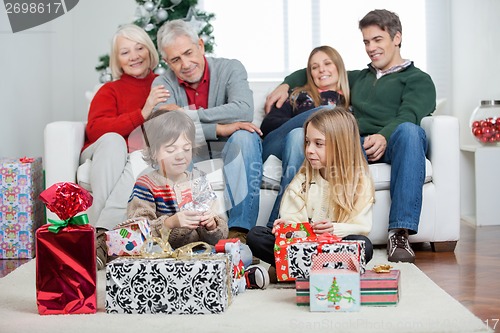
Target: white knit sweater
x=295, y=207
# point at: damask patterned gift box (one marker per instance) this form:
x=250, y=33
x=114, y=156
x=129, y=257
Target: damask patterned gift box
x=21, y=213
x=300, y=256
x=171, y=286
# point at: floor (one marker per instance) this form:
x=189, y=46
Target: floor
x=470, y=274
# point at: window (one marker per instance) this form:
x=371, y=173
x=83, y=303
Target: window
x=274, y=37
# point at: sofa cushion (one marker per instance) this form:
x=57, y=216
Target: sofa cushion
x=381, y=173
x=137, y=163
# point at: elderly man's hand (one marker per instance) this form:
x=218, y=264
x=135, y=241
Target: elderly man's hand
x=226, y=130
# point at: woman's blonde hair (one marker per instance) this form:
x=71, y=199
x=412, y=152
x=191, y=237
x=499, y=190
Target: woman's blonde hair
x=135, y=34
x=346, y=167
x=312, y=89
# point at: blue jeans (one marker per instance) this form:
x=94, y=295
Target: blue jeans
x=289, y=150
x=242, y=156
x=405, y=152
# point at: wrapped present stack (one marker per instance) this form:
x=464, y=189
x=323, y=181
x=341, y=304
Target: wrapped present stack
x=170, y=282
x=65, y=254
x=22, y=213
x=287, y=235
x=296, y=244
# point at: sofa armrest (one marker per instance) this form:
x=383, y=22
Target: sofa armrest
x=444, y=153
x=63, y=141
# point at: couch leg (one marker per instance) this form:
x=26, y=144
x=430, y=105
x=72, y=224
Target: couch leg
x=443, y=246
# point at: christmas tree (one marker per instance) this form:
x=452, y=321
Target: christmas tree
x=152, y=14
x=334, y=295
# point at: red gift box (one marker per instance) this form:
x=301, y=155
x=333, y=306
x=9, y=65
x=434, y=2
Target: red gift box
x=66, y=270
x=288, y=234
x=65, y=254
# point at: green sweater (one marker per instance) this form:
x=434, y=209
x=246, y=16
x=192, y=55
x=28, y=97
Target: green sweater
x=380, y=105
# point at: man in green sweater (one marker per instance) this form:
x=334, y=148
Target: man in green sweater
x=389, y=99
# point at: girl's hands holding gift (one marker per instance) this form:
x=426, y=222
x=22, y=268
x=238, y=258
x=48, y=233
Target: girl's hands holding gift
x=276, y=223
x=320, y=227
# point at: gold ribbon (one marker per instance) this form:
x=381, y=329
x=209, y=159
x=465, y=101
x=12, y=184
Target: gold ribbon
x=185, y=252
x=385, y=268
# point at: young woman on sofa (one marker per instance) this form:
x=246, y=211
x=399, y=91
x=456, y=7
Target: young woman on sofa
x=327, y=84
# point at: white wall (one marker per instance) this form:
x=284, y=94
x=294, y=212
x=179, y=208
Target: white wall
x=46, y=70
x=475, y=53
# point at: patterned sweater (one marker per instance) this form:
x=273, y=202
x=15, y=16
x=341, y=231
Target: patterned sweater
x=156, y=198
x=277, y=117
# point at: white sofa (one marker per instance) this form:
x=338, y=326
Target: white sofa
x=440, y=218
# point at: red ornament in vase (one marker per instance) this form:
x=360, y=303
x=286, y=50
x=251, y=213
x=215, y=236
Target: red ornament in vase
x=485, y=123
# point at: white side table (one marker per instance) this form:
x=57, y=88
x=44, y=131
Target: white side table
x=480, y=185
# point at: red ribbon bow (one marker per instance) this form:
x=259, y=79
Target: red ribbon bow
x=26, y=159
x=327, y=238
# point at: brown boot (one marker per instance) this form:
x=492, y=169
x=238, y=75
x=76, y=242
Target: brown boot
x=238, y=233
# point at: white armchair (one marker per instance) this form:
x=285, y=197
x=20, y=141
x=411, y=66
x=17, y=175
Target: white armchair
x=440, y=218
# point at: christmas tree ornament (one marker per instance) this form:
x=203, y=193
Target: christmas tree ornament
x=149, y=6
x=161, y=15
x=105, y=76
x=149, y=27
x=160, y=70
x=194, y=20
x=175, y=2
x=208, y=29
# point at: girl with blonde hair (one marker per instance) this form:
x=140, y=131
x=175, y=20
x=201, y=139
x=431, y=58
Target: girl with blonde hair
x=333, y=190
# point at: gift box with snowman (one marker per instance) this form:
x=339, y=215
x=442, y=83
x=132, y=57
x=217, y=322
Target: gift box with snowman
x=331, y=289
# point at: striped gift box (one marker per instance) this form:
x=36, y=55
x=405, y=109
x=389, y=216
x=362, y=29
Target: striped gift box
x=302, y=291
x=377, y=289
x=380, y=289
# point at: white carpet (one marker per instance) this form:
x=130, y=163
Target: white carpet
x=423, y=307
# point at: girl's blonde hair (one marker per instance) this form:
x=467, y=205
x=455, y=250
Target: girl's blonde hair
x=346, y=167
x=312, y=89
x=164, y=127
x=135, y=34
